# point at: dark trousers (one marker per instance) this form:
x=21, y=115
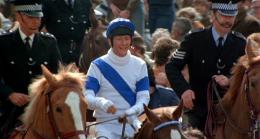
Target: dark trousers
x=197, y=119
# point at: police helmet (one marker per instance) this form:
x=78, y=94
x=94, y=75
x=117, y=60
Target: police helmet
x=120, y=26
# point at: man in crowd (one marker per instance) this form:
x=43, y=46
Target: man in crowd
x=21, y=54
x=209, y=53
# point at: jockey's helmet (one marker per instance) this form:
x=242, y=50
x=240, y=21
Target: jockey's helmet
x=120, y=26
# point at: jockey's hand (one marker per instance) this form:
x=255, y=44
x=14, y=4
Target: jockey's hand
x=112, y=109
x=221, y=80
x=188, y=96
x=115, y=10
x=18, y=99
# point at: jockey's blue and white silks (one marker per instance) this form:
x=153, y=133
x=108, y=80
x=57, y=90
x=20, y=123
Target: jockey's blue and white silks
x=121, y=82
x=127, y=89
x=116, y=81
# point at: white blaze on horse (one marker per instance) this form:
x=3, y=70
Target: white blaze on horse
x=57, y=108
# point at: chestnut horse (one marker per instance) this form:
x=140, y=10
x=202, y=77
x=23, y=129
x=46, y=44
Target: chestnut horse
x=57, y=109
x=161, y=123
x=238, y=113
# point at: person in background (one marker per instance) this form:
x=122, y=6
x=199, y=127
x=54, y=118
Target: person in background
x=210, y=53
x=161, y=14
x=180, y=28
x=245, y=23
x=21, y=54
x=256, y=8
x=68, y=21
x=117, y=83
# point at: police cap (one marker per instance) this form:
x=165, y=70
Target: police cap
x=225, y=7
x=29, y=7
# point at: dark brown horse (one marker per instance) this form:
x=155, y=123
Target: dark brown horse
x=238, y=113
x=162, y=123
x=57, y=108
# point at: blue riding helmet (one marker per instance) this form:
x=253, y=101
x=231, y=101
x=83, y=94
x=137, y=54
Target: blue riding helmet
x=120, y=26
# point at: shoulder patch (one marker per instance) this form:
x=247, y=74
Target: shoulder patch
x=196, y=30
x=238, y=34
x=46, y=34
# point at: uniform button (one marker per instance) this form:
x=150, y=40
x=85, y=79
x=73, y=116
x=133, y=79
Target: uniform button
x=12, y=62
x=219, y=71
x=85, y=22
x=72, y=28
x=203, y=61
x=30, y=72
x=72, y=16
x=219, y=60
x=58, y=20
x=45, y=63
x=30, y=59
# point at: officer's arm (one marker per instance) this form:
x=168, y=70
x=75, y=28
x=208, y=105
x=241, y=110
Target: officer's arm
x=173, y=69
x=5, y=90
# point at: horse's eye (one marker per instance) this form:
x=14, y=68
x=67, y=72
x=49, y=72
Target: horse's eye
x=58, y=109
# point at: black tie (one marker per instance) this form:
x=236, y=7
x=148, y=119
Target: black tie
x=220, y=42
x=27, y=43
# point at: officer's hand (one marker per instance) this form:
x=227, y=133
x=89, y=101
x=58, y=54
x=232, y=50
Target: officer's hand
x=221, y=80
x=112, y=109
x=187, y=98
x=19, y=99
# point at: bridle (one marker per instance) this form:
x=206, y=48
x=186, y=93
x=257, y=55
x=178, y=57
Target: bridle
x=156, y=129
x=53, y=123
x=253, y=111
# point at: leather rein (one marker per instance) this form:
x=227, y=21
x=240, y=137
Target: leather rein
x=253, y=111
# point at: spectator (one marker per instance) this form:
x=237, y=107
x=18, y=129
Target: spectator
x=67, y=20
x=256, y=8
x=180, y=28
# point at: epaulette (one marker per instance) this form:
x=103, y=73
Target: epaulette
x=46, y=34
x=196, y=30
x=3, y=32
x=238, y=34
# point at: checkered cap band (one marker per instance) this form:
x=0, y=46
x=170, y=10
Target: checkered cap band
x=224, y=6
x=27, y=8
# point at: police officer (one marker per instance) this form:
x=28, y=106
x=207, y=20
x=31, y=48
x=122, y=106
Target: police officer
x=67, y=20
x=21, y=54
x=209, y=53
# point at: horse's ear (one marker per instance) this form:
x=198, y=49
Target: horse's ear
x=151, y=116
x=178, y=112
x=253, y=47
x=48, y=75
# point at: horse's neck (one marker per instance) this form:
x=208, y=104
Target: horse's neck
x=238, y=116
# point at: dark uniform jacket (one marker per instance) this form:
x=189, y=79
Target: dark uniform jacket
x=204, y=59
x=18, y=65
x=67, y=24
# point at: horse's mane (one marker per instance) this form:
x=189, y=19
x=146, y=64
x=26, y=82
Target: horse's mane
x=236, y=80
x=67, y=76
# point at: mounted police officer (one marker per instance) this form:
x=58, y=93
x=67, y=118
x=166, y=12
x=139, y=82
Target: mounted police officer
x=67, y=20
x=112, y=88
x=21, y=54
x=209, y=53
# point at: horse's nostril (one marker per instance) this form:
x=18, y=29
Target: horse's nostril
x=58, y=109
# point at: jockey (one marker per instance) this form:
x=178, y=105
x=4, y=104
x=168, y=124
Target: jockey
x=117, y=84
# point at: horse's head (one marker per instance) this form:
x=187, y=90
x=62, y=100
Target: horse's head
x=58, y=108
x=252, y=81
x=164, y=125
